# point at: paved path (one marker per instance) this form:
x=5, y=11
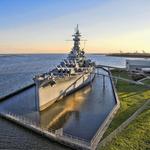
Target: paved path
x=126, y=80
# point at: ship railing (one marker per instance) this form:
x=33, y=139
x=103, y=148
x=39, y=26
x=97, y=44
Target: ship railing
x=73, y=85
x=22, y=120
x=76, y=139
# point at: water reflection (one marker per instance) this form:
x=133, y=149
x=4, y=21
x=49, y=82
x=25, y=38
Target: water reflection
x=58, y=114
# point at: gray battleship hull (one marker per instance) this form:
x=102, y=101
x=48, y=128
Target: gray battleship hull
x=47, y=95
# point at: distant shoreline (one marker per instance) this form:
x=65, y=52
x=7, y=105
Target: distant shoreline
x=134, y=55
x=25, y=54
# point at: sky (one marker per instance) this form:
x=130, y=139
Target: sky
x=44, y=26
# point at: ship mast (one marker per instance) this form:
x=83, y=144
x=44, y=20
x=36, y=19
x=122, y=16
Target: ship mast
x=76, y=40
x=76, y=52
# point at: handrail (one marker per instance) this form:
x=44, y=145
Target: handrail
x=76, y=138
x=124, y=79
x=24, y=121
x=110, y=115
x=71, y=85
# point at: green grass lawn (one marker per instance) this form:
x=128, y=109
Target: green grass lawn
x=135, y=137
x=121, y=73
x=131, y=97
x=146, y=81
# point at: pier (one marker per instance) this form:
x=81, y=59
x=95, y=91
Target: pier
x=78, y=121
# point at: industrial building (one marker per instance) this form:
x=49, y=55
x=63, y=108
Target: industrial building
x=138, y=65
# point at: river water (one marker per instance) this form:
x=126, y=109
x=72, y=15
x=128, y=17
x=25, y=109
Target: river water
x=75, y=113
x=18, y=70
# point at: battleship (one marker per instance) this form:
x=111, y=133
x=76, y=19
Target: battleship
x=72, y=74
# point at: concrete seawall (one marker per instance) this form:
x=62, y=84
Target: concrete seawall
x=52, y=135
x=99, y=134
x=16, y=92
x=114, y=133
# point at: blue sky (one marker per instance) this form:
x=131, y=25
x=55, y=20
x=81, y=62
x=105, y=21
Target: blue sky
x=19, y=12
x=40, y=26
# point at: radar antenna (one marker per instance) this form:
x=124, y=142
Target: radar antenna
x=77, y=28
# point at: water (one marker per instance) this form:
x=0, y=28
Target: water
x=14, y=137
x=17, y=71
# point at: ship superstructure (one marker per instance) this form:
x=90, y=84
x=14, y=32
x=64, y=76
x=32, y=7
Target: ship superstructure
x=71, y=74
